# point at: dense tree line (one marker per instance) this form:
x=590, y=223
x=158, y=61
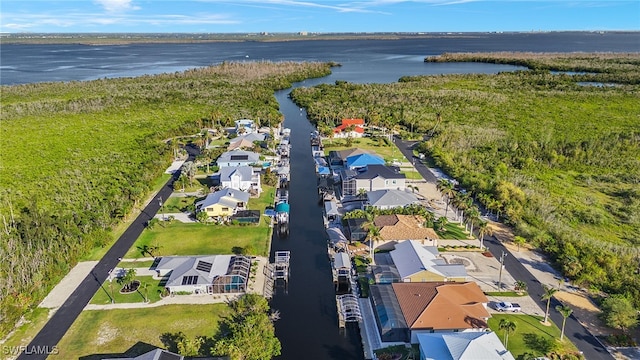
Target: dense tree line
x=78, y=156
x=556, y=159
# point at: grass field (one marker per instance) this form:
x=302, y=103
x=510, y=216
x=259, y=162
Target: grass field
x=530, y=335
x=103, y=295
x=388, y=151
x=177, y=238
x=453, y=231
x=113, y=332
x=195, y=239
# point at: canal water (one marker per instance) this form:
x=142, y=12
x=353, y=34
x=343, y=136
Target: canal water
x=308, y=327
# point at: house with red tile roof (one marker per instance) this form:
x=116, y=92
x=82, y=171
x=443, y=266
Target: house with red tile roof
x=403, y=310
x=341, y=131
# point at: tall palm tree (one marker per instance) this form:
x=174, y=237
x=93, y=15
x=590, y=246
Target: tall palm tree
x=446, y=189
x=473, y=217
x=565, y=311
x=548, y=294
x=484, y=229
x=508, y=327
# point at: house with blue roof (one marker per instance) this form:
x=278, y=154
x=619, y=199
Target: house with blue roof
x=362, y=160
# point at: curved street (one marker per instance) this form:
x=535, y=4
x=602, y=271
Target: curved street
x=590, y=347
x=47, y=339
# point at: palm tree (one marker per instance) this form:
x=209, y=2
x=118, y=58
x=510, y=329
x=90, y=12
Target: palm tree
x=565, y=311
x=519, y=240
x=441, y=223
x=446, y=189
x=373, y=233
x=484, y=229
x=473, y=216
x=548, y=294
x=521, y=286
x=508, y=327
x=127, y=279
x=362, y=193
x=145, y=291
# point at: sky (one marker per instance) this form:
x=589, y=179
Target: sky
x=321, y=16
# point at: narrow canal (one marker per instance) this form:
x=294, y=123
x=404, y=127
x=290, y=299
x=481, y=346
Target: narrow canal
x=308, y=327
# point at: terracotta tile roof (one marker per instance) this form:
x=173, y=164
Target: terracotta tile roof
x=403, y=227
x=442, y=306
x=341, y=128
x=347, y=122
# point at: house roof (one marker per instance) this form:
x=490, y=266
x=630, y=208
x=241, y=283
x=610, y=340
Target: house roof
x=403, y=227
x=442, y=306
x=156, y=354
x=361, y=160
x=379, y=170
x=251, y=137
x=340, y=128
x=244, y=122
x=244, y=172
x=341, y=260
x=336, y=235
x=353, y=121
x=344, y=154
x=194, y=270
x=463, y=346
x=239, y=144
x=391, y=198
x=239, y=155
x=227, y=197
x=411, y=258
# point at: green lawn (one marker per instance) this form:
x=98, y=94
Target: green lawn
x=453, y=231
x=179, y=203
x=388, y=152
x=178, y=238
x=103, y=295
x=412, y=175
x=116, y=331
x=530, y=335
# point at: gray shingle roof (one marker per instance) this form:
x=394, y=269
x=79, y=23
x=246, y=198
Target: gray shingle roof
x=202, y=269
x=391, y=198
x=251, y=156
x=384, y=171
x=245, y=172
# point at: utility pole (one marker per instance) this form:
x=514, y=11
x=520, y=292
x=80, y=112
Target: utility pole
x=160, y=202
x=502, y=256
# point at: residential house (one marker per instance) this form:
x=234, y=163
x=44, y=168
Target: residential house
x=156, y=354
x=245, y=126
x=404, y=310
x=238, y=158
x=396, y=227
x=246, y=141
x=418, y=263
x=462, y=346
x=390, y=198
x=223, y=203
x=371, y=178
x=362, y=160
x=241, y=178
x=349, y=128
x=206, y=274
x=337, y=158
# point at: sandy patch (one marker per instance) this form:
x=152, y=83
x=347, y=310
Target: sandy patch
x=106, y=334
x=585, y=311
x=501, y=232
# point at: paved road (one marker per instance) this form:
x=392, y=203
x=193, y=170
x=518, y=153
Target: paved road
x=47, y=339
x=587, y=343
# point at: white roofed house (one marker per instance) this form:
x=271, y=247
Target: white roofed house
x=390, y=198
x=417, y=263
x=222, y=203
x=372, y=177
x=240, y=178
x=204, y=274
x=236, y=158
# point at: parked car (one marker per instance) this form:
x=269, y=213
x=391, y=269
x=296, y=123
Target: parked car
x=507, y=306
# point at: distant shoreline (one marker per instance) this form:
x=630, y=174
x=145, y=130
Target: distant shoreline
x=191, y=38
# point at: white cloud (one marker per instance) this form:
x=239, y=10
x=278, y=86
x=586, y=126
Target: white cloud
x=115, y=6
